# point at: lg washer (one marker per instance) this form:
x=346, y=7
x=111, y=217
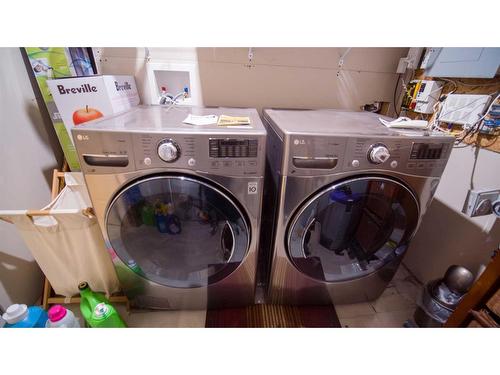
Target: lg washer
x=349, y=194
x=178, y=204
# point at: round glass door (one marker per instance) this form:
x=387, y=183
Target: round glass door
x=351, y=229
x=177, y=231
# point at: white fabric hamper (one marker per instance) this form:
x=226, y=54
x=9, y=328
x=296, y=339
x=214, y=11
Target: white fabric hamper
x=68, y=245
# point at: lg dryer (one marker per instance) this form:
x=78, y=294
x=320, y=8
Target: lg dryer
x=350, y=194
x=179, y=205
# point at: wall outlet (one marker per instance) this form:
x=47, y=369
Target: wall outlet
x=482, y=202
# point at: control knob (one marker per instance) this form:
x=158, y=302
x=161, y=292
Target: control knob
x=378, y=154
x=169, y=151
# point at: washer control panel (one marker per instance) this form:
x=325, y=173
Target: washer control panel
x=427, y=151
x=426, y=157
x=169, y=151
x=418, y=155
x=120, y=152
x=378, y=153
x=233, y=148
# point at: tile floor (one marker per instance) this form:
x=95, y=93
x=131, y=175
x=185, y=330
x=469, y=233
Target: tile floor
x=170, y=319
x=155, y=318
x=391, y=309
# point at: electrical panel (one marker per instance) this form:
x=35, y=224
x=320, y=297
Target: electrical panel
x=461, y=62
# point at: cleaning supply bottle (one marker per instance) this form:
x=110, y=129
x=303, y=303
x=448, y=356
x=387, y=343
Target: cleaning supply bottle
x=135, y=267
x=97, y=311
x=22, y=316
x=60, y=317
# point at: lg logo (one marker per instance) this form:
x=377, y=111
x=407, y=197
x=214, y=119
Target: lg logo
x=297, y=142
x=81, y=137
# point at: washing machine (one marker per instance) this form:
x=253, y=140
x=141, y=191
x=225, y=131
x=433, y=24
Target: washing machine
x=178, y=204
x=349, y=194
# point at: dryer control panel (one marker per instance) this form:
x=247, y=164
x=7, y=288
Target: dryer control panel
x=419, y=155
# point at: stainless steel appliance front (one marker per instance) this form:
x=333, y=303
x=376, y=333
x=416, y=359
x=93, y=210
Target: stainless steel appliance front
x=180, y=223
x=350, y=194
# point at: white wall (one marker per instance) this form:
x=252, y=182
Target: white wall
x=28, y=153
x=298, y=77
x=447, y=236
x=279, y=77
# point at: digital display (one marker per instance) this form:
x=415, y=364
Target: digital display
x=427, y=151
x=233, y=148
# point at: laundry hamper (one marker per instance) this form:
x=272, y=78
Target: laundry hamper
x=65, y=240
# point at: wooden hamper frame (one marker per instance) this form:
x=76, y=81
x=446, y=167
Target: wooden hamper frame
x=49, y=297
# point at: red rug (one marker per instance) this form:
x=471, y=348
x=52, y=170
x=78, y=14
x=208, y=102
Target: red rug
x=274, y=316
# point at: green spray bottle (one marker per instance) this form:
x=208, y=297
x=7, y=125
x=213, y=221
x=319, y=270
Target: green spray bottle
x=97, y=311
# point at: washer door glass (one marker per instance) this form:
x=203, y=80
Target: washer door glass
x=177, y=231
x=351, y=229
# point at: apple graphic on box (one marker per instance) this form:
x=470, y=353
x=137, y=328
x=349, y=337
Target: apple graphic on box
x=85, y=114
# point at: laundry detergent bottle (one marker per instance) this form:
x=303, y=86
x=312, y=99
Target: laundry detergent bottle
x=97, y=311
x=61, y=317
x=22, y=316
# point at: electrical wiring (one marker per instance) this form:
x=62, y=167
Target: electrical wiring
x=478, y=124
x=467, y=131
x=435, y=115
x=450, y=81
x=394, y=96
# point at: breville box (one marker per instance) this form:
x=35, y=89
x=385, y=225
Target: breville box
x=82, y=99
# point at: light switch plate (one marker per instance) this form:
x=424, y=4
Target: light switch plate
x=479, y=202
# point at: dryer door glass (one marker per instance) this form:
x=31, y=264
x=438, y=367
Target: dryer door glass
x=353, y=228
x=177, y=231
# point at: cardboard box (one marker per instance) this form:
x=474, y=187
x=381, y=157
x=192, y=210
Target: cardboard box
x=82, y=99
x=49, y=63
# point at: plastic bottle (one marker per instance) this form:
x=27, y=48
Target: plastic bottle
x=148, y=214
x=97, y=311
x=22, y=316
x=60, y=317
x=135, y=267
